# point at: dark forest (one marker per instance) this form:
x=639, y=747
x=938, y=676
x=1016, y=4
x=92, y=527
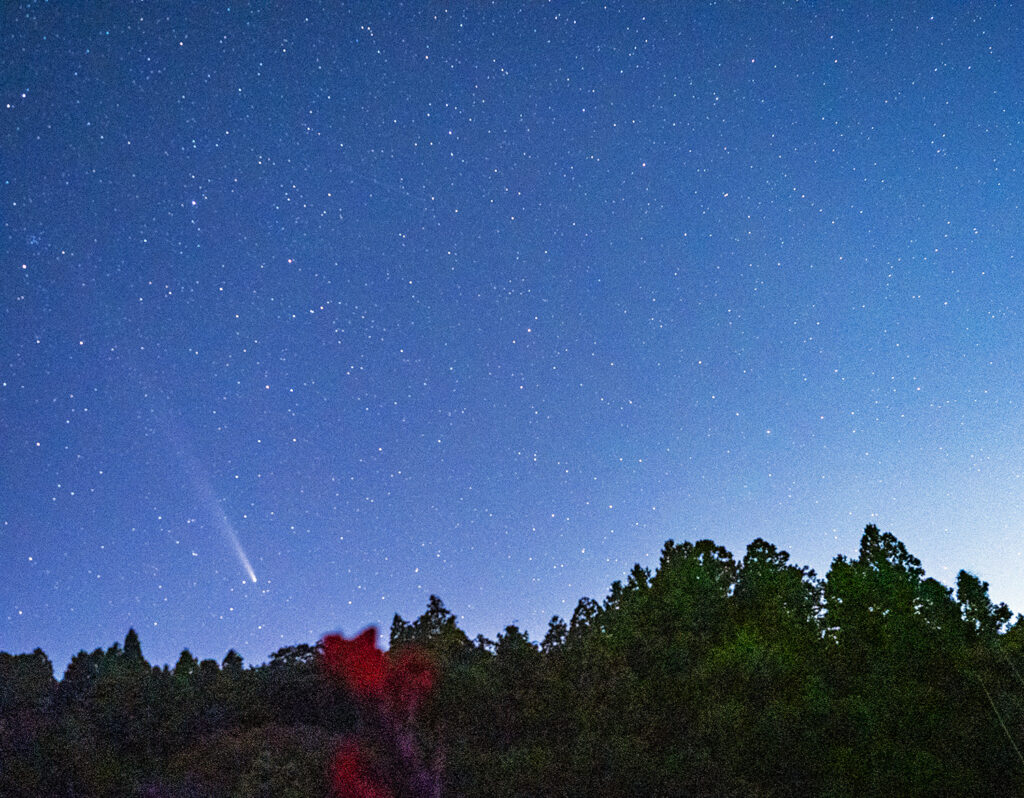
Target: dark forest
x=710, y=677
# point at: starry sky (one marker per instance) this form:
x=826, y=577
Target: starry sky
x=310, y=310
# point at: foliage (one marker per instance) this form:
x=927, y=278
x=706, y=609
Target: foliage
x=711, y=676
x=388, y=760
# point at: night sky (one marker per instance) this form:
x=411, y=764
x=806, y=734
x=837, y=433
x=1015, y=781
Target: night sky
x=310, y=310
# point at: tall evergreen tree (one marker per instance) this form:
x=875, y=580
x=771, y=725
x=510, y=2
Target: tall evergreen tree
x=133, y=650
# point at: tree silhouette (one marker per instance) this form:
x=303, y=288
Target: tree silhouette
x=706, y=677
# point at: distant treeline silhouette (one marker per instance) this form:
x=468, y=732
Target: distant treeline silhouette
x=711, y=677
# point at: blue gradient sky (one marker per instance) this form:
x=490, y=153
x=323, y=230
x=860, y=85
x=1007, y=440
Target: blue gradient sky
x=489, y=300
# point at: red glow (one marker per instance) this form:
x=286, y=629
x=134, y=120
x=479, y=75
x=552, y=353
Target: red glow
x=392, y=687
x=358, y=662
x=351, y=775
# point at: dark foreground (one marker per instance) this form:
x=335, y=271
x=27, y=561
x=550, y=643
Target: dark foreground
x=709, y=677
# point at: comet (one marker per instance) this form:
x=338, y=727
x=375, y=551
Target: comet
x=229, y=532
x=176, y=436
x=201, y=483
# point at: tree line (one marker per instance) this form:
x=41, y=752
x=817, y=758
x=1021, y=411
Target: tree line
x=710, y=677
